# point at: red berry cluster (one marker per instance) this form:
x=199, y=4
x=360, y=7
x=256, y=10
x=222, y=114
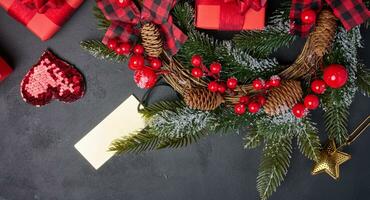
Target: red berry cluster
x=260, y=84
x=253, y=104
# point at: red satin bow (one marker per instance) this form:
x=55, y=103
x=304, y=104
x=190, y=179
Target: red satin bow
x=42, y=5
x=245, y=5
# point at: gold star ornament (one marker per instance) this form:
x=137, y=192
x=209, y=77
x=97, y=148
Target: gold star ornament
x=329, y=160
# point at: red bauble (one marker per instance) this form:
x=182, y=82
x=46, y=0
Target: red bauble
x=196, y=60
x=308, y=16
x=123, y=3
x=274, y=81
x=221, y=88
x=136, y=62
x=299, y=110
x=213, y=86
x=318, y=86
x=335, y=75
x=138, y=49
x=258, y=84
x=155, y=63
x=232, y=83
x=112, y=44
x=261, y=100
x=215, y=68
x=254, y=107
x=123, y=49
x=145, y=78
x=239, y=108
x=244, y=99
x=311, y=101
x=197, y=72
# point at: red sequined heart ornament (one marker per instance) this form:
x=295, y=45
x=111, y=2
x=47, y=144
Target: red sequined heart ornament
x=52, y=78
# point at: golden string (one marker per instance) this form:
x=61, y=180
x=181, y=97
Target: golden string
x=357, y=132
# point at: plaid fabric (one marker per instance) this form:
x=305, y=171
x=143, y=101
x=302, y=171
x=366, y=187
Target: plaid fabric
x=350, y=12
x=126, y=21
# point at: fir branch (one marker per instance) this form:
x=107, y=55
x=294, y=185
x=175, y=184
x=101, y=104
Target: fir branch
x=274, y=165
x=179, y=142
x=99, y=50
x=149, y=111
x=309, y=142
x=363, y=80
x=102, y=22
x=252, y=140
x=184, y=14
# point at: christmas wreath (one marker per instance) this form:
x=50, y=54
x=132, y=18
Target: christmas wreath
x=236, y=85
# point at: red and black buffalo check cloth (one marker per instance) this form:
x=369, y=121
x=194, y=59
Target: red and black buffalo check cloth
x=350, y=12
x=126, y=21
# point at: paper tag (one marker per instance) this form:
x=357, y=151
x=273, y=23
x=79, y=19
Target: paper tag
x=122, y=121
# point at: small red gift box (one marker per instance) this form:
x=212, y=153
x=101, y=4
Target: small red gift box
x=45, y=20
x=228, y=15
x=5, y=70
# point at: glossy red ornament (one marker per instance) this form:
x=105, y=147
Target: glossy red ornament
x=254, y=107
x=244, y=99
x=274, y=81
x=123, y=3
x=155, y=63
x=232, y=83
x=261, y=100
x=196, y=60
x=213, y=86
x=123, y=49
x=112, y=43
x=136, y=62
x=308, y=16
x=318, y=86
x=215, y=68
x=222, y=88
x=197, y=72
x=145, y=78
x=335, y=75
x=258, y=84
x=311, y=102
x=299, y=110
x=239, y=108
x=138, y=49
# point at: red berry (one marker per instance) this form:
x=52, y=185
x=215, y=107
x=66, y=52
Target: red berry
x=239, y=108
x=232, y=83
x=253, y=107
x=123, y=49
x=138, y=49
x=145, y=78
x=258, y=84
x=112, y=44
x=221, y=88
x=197, y=72
x=335, y=75
x=318, y=86
x=213, y=86
x=308, y=16
x=123, y=3
x=244, y=99
x=136, y=62
x=261, y=100
x=215, y=68
x=299, y=110
x=155, y=63
x=196, y=60
x=311, y=101
x=274, y=81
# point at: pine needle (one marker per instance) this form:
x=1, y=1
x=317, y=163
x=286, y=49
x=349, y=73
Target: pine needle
x=309, y=142
x=363, y=80
x=102, y=22
x=97, y=49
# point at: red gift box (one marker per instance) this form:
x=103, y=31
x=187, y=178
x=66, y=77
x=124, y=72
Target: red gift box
x=227, y=15
x=44, y=22
x=5, y=70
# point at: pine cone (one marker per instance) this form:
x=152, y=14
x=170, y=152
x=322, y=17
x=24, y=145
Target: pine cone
x=323, y=36
x=283, y=98
x=202, y=99
x=152, y=41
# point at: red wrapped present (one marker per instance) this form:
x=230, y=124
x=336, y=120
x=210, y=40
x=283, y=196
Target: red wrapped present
x=230, y=15
x=5, y=70
x=43, y=17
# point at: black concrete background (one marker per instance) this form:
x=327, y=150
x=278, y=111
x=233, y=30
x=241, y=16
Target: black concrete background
x=38, y=160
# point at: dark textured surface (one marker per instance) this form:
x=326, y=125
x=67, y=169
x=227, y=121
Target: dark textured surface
x=38, y=160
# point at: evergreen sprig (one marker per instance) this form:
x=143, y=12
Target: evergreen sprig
x=100, y=51
x=363, y=80
x=149, y=111
x=183, y=14
x=308, y=141
x=136, y=142
x=253, y=139
x=102, y=22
